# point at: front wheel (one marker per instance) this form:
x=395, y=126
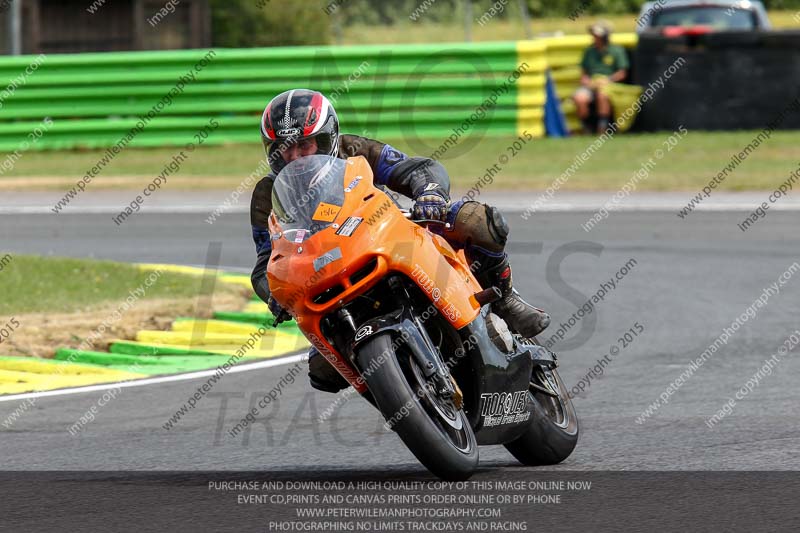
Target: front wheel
x=437, y=433
x=553, y=430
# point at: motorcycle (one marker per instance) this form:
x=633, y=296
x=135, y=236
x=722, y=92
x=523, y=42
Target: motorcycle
x=399, y=314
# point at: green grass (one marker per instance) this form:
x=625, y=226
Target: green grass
x=505, y=30
x=226, y=160
x=696, y=159
x=30, y=284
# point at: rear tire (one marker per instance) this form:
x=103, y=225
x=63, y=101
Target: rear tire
x=436, y=433
x=553, y=430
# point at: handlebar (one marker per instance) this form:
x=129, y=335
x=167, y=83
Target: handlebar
x=407, y=215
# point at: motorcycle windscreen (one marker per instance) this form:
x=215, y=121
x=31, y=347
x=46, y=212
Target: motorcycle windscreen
x=308, y=194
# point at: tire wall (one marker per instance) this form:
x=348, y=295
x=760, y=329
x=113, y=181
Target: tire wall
x=729, y=81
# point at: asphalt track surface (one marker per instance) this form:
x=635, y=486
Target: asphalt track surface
x=691, y=278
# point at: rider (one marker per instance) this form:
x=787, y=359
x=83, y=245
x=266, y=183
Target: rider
x=302, y=122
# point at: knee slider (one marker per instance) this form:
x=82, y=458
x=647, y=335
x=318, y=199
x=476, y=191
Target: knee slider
x=498, y=226
x=480, y=225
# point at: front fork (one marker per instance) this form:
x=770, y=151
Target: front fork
x=425, y=353
x=405, y=324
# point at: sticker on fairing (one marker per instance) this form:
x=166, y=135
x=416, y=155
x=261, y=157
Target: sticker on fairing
x=363, y=332
x=349, y=226
x=327, y=258
x=343, y=369
x=352, y=184
x=498, y=408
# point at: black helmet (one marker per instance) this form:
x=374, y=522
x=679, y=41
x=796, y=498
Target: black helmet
x=296, y=115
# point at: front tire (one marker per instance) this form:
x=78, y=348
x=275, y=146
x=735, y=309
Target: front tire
x=553, y=431
x=437, y=433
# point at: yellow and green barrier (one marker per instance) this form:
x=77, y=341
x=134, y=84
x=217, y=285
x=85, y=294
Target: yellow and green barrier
x=189, y=345
x=423, y=90
x=562, y=56
x=24, y=374
x=95, y=99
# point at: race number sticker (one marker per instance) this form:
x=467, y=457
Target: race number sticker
x=326, y=212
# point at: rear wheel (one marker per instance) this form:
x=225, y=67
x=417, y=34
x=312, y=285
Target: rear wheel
x=553, y=430
x=435, y=431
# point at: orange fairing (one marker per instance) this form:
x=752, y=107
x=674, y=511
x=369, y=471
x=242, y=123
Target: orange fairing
x=313, y=276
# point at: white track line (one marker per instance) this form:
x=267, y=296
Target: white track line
x=647, y=207
x=512, y=206
x=114, y=210
x=154, y=381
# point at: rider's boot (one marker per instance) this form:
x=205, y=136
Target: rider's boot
x=494, y=270
x=322, y=375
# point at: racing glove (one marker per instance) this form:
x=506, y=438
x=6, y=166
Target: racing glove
x=431, y=204
x=280, y=314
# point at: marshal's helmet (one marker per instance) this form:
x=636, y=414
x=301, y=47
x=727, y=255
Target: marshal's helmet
x=295, y=115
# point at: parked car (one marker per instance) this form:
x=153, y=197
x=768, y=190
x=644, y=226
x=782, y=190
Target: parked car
x=701, y=16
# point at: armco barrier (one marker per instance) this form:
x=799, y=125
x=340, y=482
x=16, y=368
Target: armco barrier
x=409, y=91
x=95, y=99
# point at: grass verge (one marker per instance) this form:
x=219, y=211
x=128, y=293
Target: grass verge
x=55, y=284
x=59, y=302
x=697, y=158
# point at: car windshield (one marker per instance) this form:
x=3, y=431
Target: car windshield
x=308, y=194
x=720, y=18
